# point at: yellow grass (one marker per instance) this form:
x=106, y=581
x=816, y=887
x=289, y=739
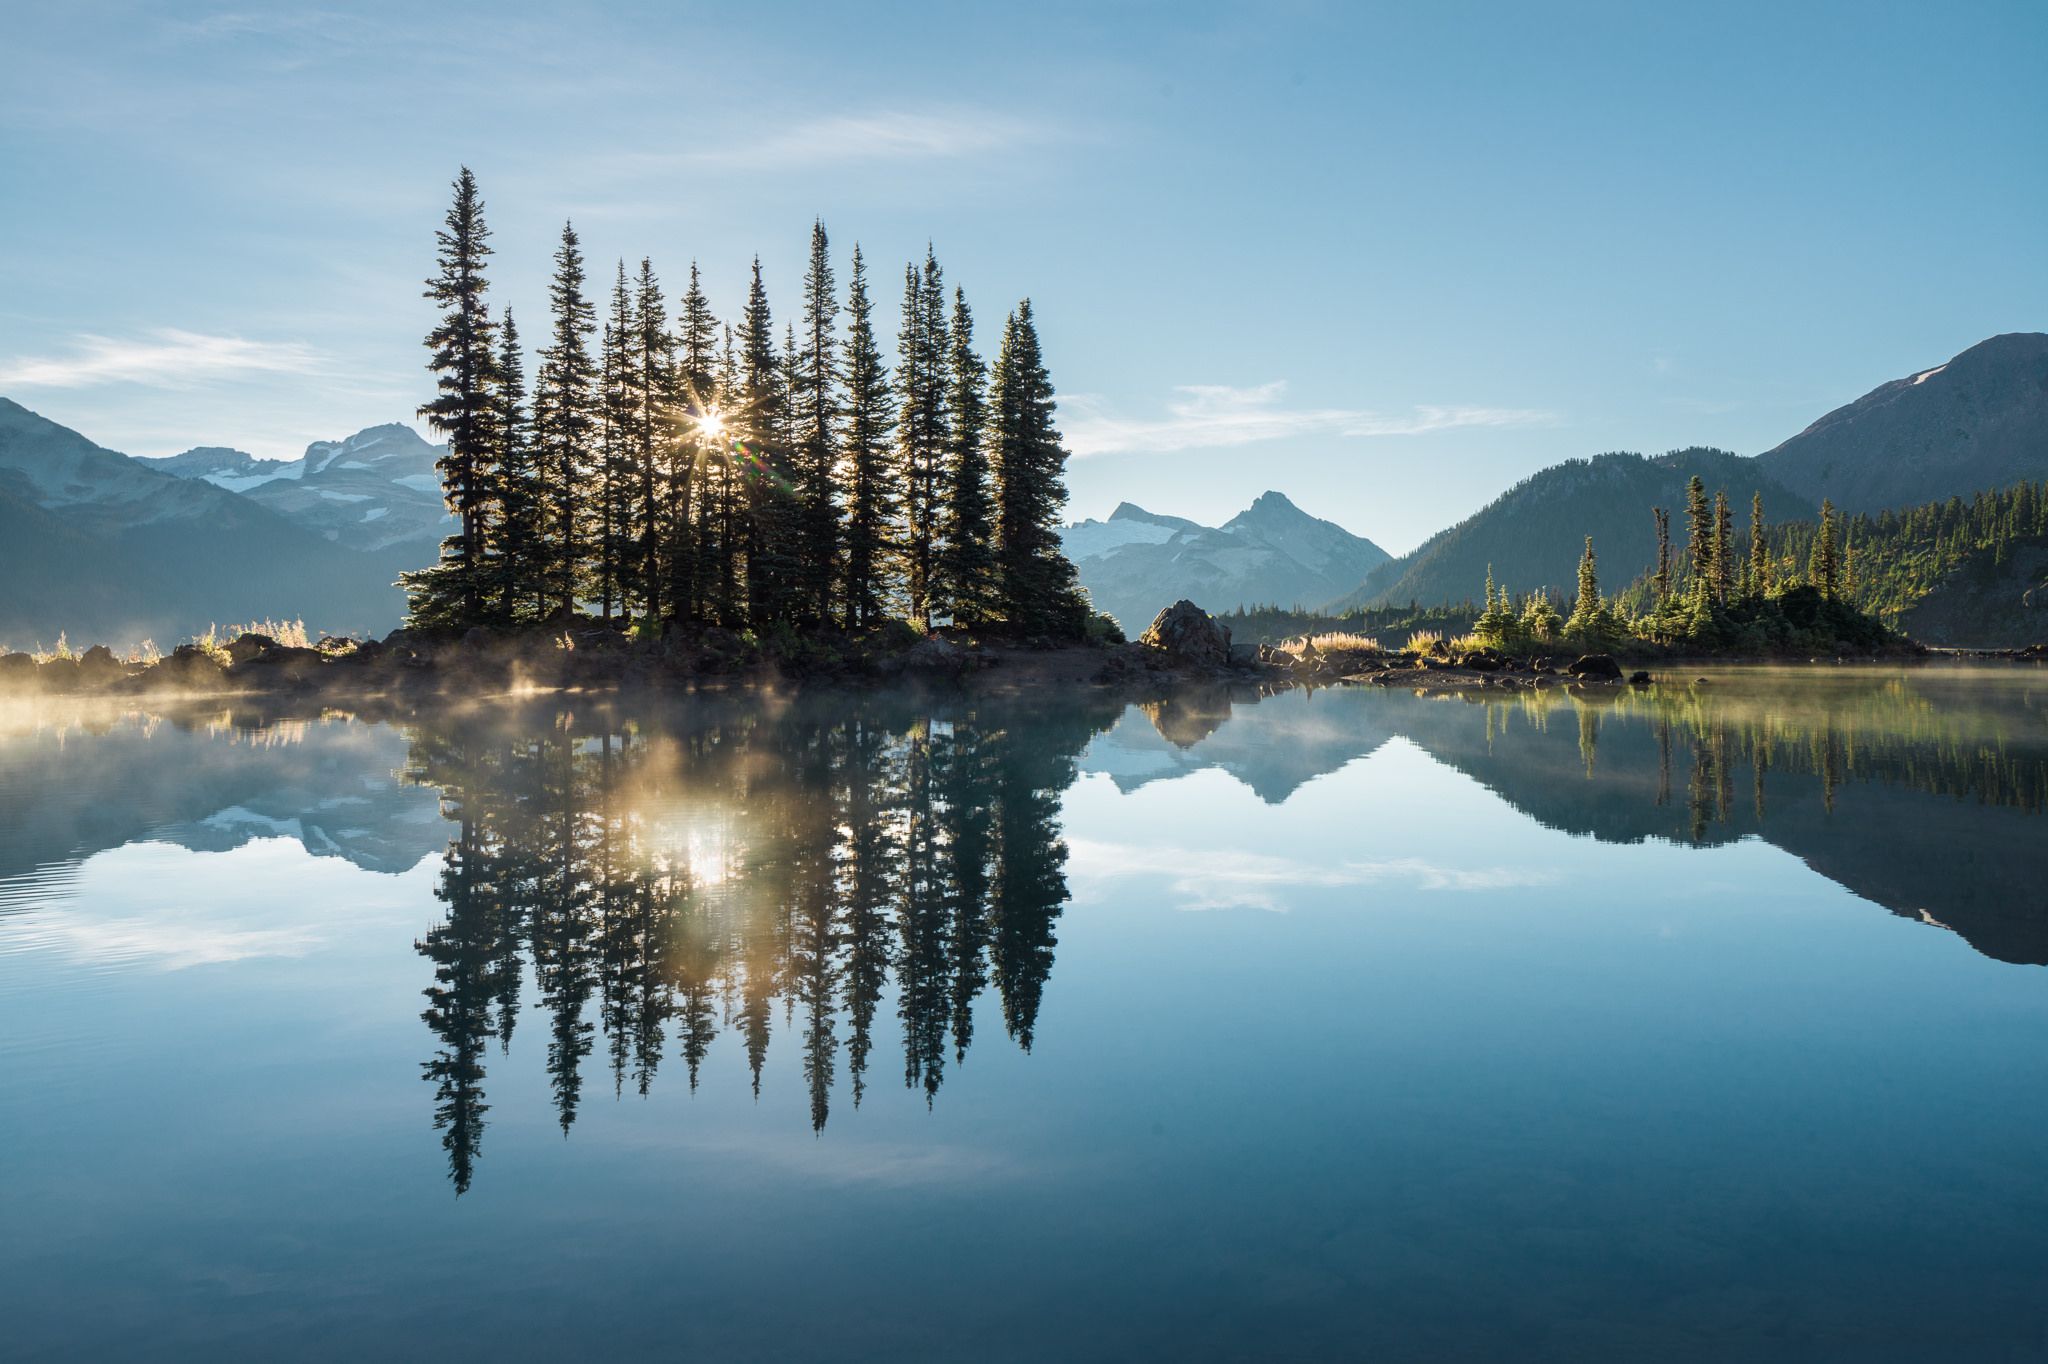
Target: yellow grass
x=1340, y=640
x=1424, y=642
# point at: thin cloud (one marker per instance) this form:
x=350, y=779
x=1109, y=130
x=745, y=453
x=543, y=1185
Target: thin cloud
x=839, y=139
x=1212, y=416
x=166, y=358
x=1217, y=879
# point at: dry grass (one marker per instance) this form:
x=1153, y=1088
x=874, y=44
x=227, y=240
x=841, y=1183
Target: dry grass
x=1465, y=644
x=1338, y=641
x=63, y=649
x=1424, y=642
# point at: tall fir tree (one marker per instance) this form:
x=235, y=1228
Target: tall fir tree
x=726, y=586
x=692, y=517
x=771, y=504
x=814, y=432
x=1036, y=584
x=463, y=412
x=650, y=381
x=517, y=553
x=1759, y=548
x=870, y=488
x=967, y=560
x=615, y=481
x=1824, y=566
x=1699, y=536
x=564, y=428
x=1662, y=580
x=921, y=433
x=1724, y=548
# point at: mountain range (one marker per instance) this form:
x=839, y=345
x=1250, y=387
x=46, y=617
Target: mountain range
x=375, y=490
x=106, y=547
x=113, y=548
x=1271, y=553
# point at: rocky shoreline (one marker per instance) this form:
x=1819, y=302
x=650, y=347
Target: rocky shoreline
x=1184, y=644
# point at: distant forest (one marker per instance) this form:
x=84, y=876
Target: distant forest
x=701, y=474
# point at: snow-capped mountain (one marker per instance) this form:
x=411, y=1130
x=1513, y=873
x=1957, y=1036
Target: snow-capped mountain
x=375, y=490
x=109, y=548
x=1272, y=553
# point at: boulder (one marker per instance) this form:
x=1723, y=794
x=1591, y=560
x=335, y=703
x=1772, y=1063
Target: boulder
x=1245, y=655
x=242, y=648
x=97, y=667
x=1598, y=667
x=59, y=674
x=1188, y=632
x=935, y=655
x=17, y=670
x=1482, y=660
x=1639, y=679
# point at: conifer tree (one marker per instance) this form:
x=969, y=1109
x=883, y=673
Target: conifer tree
x=770, y=502
x=517, y=564
x=615, y=482
x=692, y=515
x=921, y=433
x=651, y=382
x=1585, y=616
x=966, y=568
x=1724, y=547
x=726, y=585
x=815, y=419
x=462, y=412
x=1663, y=577
x=564, y=424
x=1036, y=584
x=871, y=491
x=1759, y=547
x=1699, y=528
x=1824, y=567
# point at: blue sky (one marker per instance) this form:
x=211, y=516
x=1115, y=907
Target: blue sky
x=1386, y=258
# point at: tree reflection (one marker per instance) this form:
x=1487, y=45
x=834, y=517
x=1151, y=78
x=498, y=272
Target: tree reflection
x=673, y=875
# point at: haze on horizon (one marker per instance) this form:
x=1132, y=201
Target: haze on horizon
x=1385, y=259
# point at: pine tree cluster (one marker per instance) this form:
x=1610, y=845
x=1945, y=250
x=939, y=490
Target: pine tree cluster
x=696, y=474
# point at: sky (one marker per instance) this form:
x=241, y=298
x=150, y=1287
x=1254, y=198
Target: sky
x=1386, y=258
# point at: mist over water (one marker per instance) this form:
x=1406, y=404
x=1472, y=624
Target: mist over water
x=1705, y=1021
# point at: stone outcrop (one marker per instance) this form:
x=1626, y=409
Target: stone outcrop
x=1189, y=633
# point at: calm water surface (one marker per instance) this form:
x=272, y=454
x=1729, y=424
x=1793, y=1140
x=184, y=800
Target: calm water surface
x=1709, y=1022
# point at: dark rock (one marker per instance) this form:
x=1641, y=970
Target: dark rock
x=1187, y=632
x=1596, y=666
x=1639, y=679
x=17, y=670
x=97, y=667
x=1482, y=660
x=58, y=674
x=243, y=648
x=937, y=656
x=1245, y=655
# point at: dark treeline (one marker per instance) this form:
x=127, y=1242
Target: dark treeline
x=699, y=473
x=664, y=885
x=1891, y=560
x=1723, y=590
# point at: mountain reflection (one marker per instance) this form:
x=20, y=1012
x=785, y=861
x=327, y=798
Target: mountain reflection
x=640, y=879
x=666, y=878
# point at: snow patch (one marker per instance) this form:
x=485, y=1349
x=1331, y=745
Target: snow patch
x=1925, y=375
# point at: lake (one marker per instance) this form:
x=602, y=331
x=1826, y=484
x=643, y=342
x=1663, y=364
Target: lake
x=1702, y=1022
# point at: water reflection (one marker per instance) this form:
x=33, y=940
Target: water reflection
x=687, y=873
x=832, y=875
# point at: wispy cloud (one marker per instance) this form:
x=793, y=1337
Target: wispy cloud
x=165, y=358
x=886, y=135
x=1213, y=416
x=1221, y=879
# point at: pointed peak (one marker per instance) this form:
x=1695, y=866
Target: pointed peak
x=1130, y=511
